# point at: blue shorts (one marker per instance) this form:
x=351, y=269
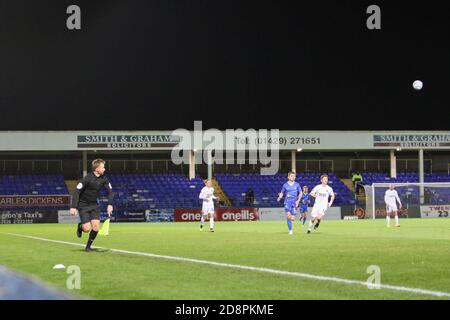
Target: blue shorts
x=303, y=209
x=290, y=207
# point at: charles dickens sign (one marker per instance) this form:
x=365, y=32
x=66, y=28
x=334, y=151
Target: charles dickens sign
x=416, y=141
x=127, y=141
x=34, y=201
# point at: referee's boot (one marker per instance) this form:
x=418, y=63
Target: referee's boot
x=79, y=230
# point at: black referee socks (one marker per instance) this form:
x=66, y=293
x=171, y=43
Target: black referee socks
x=92, y=236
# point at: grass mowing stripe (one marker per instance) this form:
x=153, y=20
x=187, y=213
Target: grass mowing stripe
x=249, y=268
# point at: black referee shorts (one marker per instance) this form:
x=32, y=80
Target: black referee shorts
x=89, y=213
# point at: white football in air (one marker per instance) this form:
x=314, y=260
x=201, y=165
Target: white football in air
x=59, y=266
x=417, y=85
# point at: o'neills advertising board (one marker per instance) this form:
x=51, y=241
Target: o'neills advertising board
x=34, y=201
x=221, y=214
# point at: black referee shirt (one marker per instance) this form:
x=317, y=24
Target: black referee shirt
x=87, y=191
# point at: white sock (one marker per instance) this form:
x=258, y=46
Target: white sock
x=310, y=225
x=211, y=223
x=388, y=220
x=396, y=219
x=202, y=220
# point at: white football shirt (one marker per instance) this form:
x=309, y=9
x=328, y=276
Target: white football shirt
x=391, y=196
x=322, y=193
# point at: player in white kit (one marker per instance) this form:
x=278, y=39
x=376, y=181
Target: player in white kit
x=208, y=197
x=391, y=198
x=321, y=193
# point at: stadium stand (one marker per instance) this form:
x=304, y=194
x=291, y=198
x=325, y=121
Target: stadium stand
x=148, y=191
x=403, y=177
x=32, y=185
x=266, y=188
x=411, y=194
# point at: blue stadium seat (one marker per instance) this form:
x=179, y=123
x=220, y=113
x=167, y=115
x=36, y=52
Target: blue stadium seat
x=33, y=185
x=266, y=188
x=411, y=193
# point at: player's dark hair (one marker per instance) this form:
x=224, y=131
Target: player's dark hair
x=291, y=172
x=96, y=163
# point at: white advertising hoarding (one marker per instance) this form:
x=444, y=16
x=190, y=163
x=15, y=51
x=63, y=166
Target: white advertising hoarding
x=276, y=214
x=167, y=140
x=435, y=211
x=64, y=216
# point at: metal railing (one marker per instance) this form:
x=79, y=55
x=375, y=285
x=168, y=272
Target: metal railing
x=308, y=165
x=31, y=165
x=384, y=165
x=140, y=165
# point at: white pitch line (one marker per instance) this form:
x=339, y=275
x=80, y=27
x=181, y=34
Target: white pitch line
x=257, y=269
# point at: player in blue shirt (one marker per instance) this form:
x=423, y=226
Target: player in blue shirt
x=292, y=199
x=304, y=203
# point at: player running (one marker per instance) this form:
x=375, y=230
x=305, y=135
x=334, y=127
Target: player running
x=304, y=202
x=321, y=193
x=84, y=200
x=391, y=198
x=208, y=197
x=292, y=199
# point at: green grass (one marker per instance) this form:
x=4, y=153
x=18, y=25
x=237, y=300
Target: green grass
x=415, y=255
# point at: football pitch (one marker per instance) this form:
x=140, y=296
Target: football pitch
x=241, y=260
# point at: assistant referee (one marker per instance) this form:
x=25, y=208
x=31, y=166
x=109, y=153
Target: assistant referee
x=85, y=201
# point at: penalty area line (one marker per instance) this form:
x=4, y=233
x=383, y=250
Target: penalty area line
x=250, y=268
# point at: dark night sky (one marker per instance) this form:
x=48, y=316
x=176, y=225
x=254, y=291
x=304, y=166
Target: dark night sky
x=233, y=64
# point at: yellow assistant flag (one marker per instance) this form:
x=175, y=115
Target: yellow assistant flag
x=104, y=230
